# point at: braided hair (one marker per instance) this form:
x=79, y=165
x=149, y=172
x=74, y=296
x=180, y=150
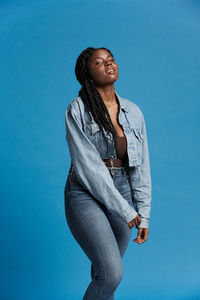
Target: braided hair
x=90, y=95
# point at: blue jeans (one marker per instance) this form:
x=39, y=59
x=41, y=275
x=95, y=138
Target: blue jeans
x=103, y=236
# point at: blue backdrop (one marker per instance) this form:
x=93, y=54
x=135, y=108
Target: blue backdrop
x=156, y=45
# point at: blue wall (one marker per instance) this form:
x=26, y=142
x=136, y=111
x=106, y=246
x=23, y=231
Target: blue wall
x=157, y=45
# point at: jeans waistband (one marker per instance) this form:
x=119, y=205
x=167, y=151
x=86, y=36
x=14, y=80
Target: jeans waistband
x=114, y=162
x=112, y=169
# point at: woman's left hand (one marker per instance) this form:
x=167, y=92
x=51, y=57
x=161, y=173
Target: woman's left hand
x=142, y=235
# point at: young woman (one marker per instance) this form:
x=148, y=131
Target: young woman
x=108, y=188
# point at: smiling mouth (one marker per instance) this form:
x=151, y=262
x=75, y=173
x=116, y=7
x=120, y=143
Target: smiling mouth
x=110, y=71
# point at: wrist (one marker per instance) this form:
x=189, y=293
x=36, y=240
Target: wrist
x=144, y=223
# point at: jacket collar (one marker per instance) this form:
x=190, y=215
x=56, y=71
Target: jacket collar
x=121, y=102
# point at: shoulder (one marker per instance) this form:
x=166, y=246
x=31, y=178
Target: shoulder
x=131, y=104
x=131, y=107
x=75, y=106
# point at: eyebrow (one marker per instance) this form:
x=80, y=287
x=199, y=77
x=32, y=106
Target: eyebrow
x=101, y=57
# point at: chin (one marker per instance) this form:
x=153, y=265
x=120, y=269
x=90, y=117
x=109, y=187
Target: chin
x=115, y=79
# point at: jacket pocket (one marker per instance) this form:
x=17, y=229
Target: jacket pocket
x=138, y=133
x=91, y=129
x=138, y=143
x=94, y=134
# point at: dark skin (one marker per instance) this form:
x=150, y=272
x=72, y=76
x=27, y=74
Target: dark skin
x=104, y=72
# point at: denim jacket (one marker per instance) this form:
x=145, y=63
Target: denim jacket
x=88, y=149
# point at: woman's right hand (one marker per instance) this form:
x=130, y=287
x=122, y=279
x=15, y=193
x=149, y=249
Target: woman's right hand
x=134, y=222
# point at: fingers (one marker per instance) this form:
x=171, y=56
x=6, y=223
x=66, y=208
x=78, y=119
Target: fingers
x=139, y=235
x=134, y=222
x=142, y=235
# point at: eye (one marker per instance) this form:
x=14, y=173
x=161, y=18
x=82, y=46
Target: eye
x=98, y=62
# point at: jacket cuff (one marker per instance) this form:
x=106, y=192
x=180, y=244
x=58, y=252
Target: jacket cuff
x=144, y=223
x=129, y=215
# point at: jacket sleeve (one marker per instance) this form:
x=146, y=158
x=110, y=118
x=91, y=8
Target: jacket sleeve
x=140, y=181
x=91, y=170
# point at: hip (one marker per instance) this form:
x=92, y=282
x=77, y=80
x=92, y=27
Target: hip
x=75, y=191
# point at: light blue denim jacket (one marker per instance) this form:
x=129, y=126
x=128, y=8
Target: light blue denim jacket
x=87, y=149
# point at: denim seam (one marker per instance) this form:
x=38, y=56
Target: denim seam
x=84, y=226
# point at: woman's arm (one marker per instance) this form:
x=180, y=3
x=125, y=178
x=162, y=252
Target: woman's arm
x=140, y=181
x=90, y=168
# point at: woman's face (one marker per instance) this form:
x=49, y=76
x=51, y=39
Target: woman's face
x=102, y=68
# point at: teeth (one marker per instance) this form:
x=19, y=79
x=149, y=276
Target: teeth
x=110, y=71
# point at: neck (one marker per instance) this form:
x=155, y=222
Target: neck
x=107, y=94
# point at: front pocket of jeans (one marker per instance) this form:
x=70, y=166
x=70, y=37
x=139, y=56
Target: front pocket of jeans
x=75, y=187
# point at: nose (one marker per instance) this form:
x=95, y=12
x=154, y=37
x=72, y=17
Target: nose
x=108, y=63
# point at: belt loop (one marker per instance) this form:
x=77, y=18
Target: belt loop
x=111, y=162
x=112, y=167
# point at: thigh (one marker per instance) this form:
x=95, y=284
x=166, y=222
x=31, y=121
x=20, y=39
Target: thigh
x=91, y=228
x=120, y=229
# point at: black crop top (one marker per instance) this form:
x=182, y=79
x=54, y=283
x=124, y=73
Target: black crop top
x=122, y=147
